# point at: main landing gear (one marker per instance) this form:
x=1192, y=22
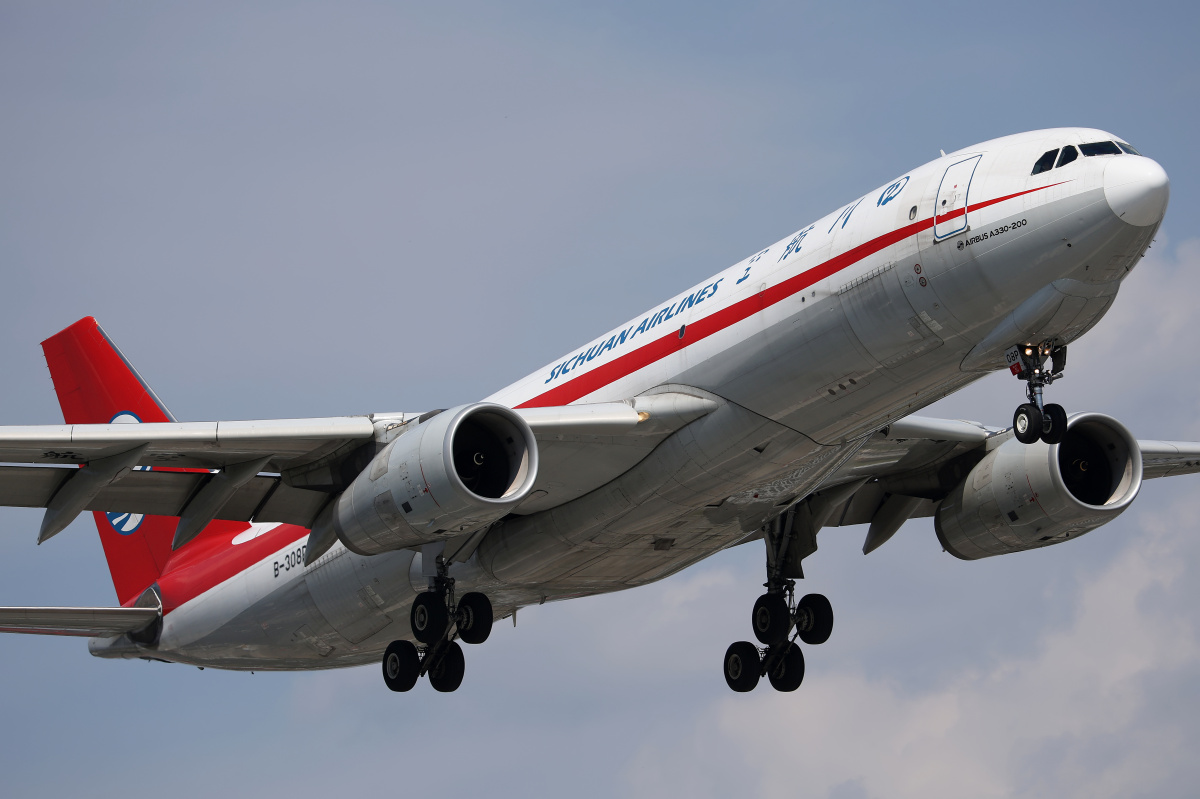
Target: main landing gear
x=436, y=621
x=1038, y=365
x=778, y=619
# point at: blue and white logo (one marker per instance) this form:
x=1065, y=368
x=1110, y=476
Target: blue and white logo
x=126, y=523
x=892, y=191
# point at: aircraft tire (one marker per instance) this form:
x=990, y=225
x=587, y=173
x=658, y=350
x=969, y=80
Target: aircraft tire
x=822, y=614
x=1027, y=423
x=401, y=665
x=447, y=673
x=770, y=618
x=429, y=618
x=474, y=618
x=741, y=666
x=788, y=673
x=1054, y=424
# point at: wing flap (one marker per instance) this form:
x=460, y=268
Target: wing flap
x=86, y=622
x=30, y=486
x=265, y=498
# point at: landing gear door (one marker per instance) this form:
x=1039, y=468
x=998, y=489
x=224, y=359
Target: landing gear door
x=950, y=209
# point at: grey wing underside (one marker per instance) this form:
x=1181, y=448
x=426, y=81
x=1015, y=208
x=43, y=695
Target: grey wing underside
x=265, y=498
x=1169, y=458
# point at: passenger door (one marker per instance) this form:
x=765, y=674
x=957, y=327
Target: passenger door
x=950, y=208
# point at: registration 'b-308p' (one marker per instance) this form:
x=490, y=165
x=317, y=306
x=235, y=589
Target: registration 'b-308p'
x=761, y=405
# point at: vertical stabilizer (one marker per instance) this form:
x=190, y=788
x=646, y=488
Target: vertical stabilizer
x=97, y=385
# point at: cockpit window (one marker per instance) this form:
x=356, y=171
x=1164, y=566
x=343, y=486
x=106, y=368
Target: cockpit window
x=1100, y=148
x=1127, y=148
x=1069, y=154
x=1045, y=163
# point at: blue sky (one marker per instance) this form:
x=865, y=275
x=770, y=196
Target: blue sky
x=305, y=210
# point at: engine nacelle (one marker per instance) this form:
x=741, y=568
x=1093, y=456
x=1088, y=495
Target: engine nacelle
x=1024, y=496
x=454, y=472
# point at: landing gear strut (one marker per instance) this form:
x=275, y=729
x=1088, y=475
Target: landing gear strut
x=778, y=619
x=1038, y=365
x=436, y=621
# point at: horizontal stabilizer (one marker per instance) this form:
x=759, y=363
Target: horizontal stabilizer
x=86, y=622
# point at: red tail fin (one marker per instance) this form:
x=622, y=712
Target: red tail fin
x=96, y=385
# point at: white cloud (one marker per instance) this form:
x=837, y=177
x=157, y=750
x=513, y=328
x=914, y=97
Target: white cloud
x=1074, y=713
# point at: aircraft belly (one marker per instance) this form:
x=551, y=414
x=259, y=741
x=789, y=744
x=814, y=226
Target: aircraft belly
x=271, y=618
x=707, y=487
x=358, y=595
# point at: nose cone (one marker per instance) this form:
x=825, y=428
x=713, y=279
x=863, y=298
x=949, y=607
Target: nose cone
x=1137, y=189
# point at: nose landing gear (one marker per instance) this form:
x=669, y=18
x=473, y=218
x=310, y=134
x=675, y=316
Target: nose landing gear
x=436, y=621
x=1038, y=365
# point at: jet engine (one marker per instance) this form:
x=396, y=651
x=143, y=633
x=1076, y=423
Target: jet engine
x=452, y=473
x=1024, y=496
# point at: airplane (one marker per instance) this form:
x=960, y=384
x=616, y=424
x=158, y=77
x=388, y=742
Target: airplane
x=766, y=403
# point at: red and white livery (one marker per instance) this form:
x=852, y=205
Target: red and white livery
x=765, y=403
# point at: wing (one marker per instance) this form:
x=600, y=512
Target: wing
x=905, y=470
x=286, y=443
x=285, y=470
x=1169, y=458
x=89, y=622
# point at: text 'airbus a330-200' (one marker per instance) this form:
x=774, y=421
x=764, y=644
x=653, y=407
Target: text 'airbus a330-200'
x=766, y=403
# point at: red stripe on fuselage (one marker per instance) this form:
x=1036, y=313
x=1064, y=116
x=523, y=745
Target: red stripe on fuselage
x=625, y=365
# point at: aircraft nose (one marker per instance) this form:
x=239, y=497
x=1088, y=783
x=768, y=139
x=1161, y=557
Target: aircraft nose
x=1137, y=189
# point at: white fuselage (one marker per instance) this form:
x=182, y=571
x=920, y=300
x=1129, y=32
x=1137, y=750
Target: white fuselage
x=885, y=305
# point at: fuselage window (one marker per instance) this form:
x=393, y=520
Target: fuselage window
x=1100, y=148
x=1127, y=148
x=1069, y=154
x=1045, y=163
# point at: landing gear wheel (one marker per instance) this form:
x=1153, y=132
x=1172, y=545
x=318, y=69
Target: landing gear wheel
x=429, y=618
x=474, y=618
x=1027, y=423
x=1054, y=423
x=788, y=672
x=447, y=674
x=741, y=666
x=401, y=665
x=814, y=619
x=770, y=618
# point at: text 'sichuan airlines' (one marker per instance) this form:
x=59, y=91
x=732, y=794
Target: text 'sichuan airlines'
x=766, y=403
